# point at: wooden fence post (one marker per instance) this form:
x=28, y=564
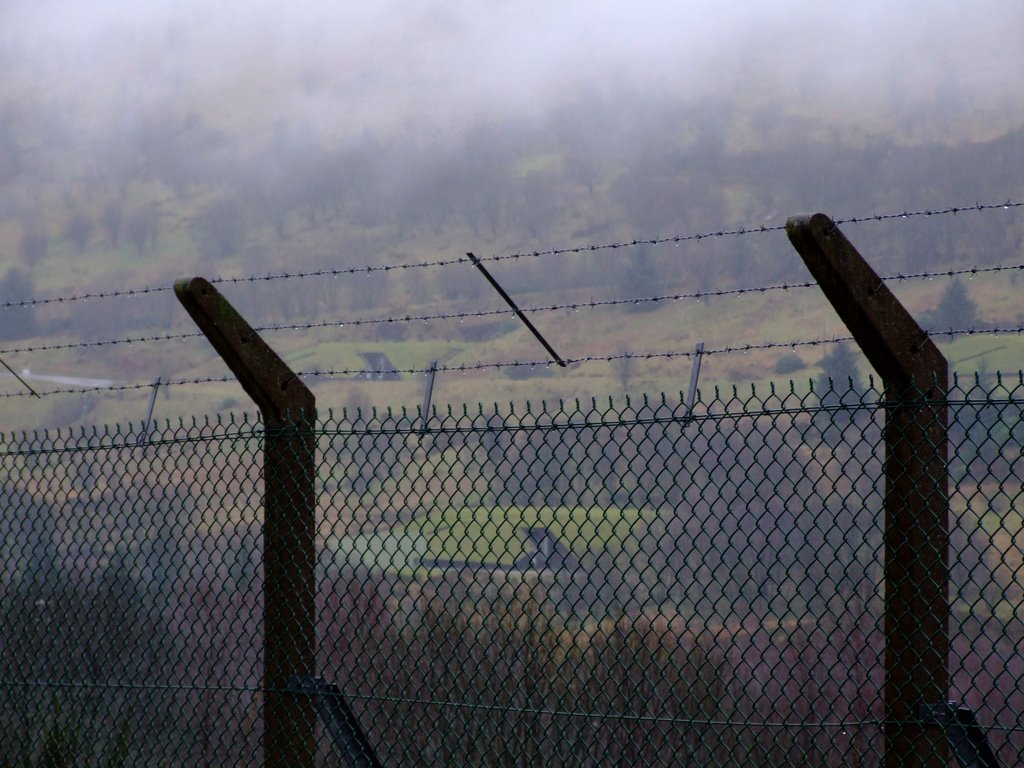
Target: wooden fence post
x=289, y=544
x=915, y=376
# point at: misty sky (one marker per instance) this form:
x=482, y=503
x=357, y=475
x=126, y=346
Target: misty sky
x=348, y=67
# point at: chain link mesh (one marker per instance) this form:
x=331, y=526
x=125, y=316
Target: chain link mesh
x=575, y=585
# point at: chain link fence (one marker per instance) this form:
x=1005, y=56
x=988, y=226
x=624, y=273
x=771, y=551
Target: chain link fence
x=577, y=584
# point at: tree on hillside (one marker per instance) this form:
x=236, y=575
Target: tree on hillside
x=624, y=366
x=111, y=220
x=535, y=206
x=218, y=230
x=141, y=227
x=34, y=243
x=640, y=279
x=839, y=375
x=838, y=385
x=481, y=179
x=78, y=229
x=10, y=149
x=788, y=363
x=17, y=322
x=956, y=309
x=269, y=204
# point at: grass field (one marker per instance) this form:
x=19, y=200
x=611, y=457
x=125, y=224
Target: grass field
x=491, y=535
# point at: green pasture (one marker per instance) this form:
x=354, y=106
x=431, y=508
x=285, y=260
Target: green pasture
x=487, y=534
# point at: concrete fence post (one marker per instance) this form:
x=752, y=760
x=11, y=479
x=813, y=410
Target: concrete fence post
x=916, y=526
x=289, y=544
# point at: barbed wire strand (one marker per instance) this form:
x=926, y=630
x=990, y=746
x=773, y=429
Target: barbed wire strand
x=370, y=268
x=572, y=363
x=567, y=306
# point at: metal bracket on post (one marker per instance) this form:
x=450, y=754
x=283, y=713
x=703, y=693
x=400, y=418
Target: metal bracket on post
x=428, y=393
x=969, y=742
x=691, y=396
x=916, y=587
x=339, y=721
x=289, y=527
x=144, y=435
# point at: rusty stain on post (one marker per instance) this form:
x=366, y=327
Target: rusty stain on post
x=915, y=375
x=289, y=415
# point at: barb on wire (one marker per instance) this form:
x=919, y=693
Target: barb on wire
x=126, y=387
x=129, y=340
x=573, y=362
x=275, y=327
x=85, y=296
x=951, y=210
x=954, y=272
x=370, y=268
x=465, y=367
x=571, y=306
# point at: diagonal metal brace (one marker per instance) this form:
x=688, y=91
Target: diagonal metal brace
x=23, y=382
x=515, y=308
x=968, y=740
x=339, y=721
x=694, y=376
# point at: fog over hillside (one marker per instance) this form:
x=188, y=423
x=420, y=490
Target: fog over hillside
x=351, y=67
x=140, y=142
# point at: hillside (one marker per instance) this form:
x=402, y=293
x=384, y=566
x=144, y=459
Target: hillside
x=93, y=205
